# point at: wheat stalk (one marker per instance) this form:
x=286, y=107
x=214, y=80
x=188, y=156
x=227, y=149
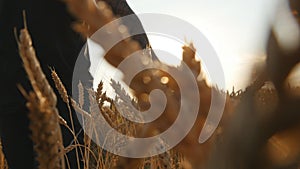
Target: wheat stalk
x=189, y=57
x=80, y=94
x=32, y=67
x=46, y=133
x=64, y=95
x=60, y=87
x=43, y=115
x=3, y=164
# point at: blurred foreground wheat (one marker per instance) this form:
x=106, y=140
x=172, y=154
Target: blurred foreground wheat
x=3, y=164
x=259, y=129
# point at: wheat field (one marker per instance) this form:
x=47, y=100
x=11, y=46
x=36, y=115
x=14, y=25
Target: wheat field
x=259, y=129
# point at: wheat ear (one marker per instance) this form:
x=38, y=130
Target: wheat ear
x=59, y=86
x=43, y=115
x=3, y=164
x=64, y=95
x=33, y=69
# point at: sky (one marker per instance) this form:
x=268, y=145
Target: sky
x=237, y=29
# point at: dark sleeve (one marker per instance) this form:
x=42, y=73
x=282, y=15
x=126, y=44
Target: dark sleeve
x=58, y=46
x=121, y=8
x=295, y=5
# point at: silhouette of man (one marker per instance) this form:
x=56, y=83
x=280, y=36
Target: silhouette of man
x=56, y=45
